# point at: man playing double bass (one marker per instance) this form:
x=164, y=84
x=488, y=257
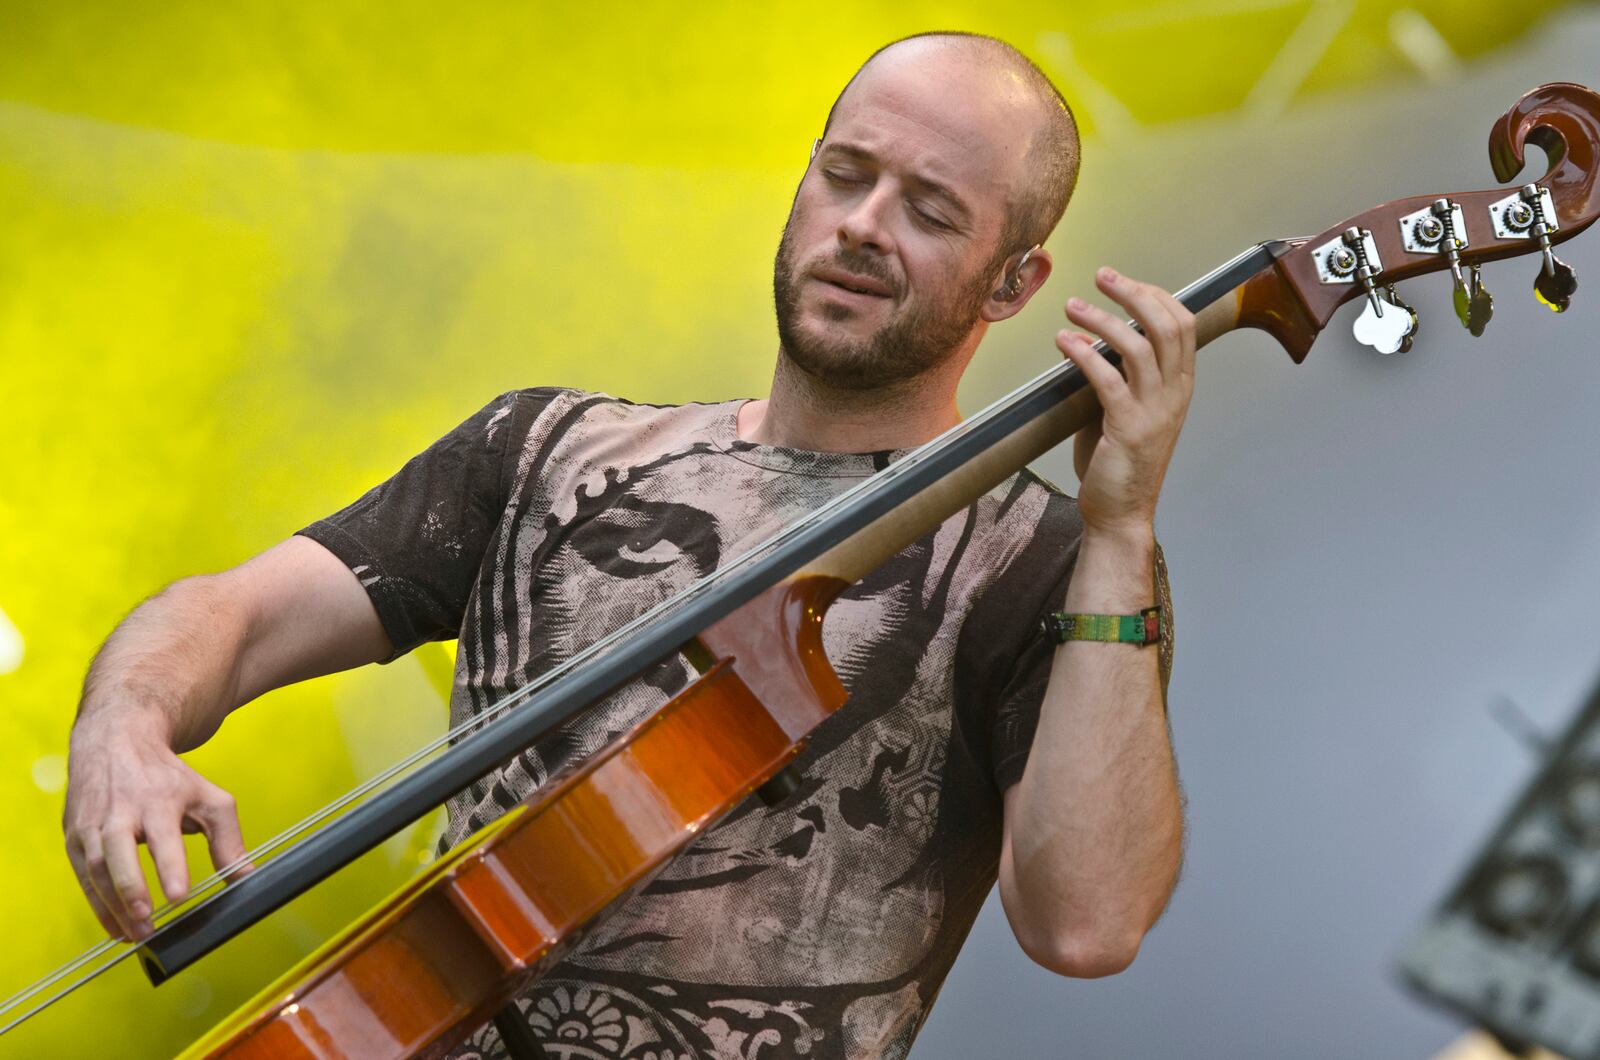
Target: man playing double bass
x=987, y=735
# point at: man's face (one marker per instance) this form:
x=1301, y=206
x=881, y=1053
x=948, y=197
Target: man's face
x=892, y=246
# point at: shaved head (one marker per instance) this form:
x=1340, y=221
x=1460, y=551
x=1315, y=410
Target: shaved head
x=945, y=157
x=1035, y=207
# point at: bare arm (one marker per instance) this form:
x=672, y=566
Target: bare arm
x=1094, y=829
x=164, y=681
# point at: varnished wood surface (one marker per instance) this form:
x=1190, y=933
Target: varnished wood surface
x=448, y=950
x=870, y=547
x=1563, y=118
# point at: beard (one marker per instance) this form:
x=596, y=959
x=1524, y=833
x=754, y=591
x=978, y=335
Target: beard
x=922, y=336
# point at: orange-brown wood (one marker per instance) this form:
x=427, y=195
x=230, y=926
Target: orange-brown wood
x=782, y=660
x=452, y=947
x=1269, y=302
x=1562, y=118
x=1293, y=305
x=455, y=945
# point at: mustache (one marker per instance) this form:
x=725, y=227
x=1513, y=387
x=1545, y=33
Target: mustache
x=861, y=264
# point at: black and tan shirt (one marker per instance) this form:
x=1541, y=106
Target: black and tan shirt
x=820, y=928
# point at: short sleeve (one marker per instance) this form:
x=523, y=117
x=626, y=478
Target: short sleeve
x=1016, y=712
x=1016, y=717
x=416, y=542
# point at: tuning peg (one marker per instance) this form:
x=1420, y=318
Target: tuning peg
x=1352, y=257
x=1390, y=332
x=1556, y=281
x=1532, y=211
x=1474, y=304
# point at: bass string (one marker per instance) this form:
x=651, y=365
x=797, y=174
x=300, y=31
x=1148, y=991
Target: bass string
x=204, y=891
x=200, y=894
x=60, y=973
x=207, y=890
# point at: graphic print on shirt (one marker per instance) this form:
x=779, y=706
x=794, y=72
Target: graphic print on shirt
x=617, y=542
x=818, y=928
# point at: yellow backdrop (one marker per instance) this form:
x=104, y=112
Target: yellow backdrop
x=254, y=255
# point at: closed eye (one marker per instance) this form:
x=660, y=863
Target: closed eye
x=930, y=220
x=921, y=213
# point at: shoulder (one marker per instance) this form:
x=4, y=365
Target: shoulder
x=565, y=432
x=529, y=412
x=547, y=401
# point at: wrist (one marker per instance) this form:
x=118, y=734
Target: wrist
x=1126, y=553
x=1114, y=571
x=125, y=721
x=1136, y=536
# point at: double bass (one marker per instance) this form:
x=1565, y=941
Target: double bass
x=454, y=946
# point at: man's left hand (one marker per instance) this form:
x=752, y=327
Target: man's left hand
x=1122, y=458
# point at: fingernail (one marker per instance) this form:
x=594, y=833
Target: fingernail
x=1076, y=304
x=1108, y=274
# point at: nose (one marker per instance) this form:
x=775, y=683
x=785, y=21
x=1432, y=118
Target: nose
x=865, y=225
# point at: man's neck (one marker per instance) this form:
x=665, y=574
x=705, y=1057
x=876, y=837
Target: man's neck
x=804, y=413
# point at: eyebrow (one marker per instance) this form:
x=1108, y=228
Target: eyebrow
x=943, y=191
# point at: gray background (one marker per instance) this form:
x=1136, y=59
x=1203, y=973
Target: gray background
x=1366, y=553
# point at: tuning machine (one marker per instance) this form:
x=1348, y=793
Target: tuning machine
x=1531, y=211
x=1441, y=228
x=1351, y=258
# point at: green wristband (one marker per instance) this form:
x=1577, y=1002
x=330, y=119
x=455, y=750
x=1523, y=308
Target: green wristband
x=1143, y=628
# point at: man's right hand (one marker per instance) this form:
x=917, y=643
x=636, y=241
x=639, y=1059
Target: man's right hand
x=126, y=787
x=164, y=681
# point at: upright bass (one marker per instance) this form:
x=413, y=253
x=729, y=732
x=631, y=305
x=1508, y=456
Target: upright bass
x=454, y=946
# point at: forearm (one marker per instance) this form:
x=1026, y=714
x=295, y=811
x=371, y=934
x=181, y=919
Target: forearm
x=163, y=682
x=1096, y=837
x=171, y=669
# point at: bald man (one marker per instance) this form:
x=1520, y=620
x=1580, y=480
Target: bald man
x=974, y=746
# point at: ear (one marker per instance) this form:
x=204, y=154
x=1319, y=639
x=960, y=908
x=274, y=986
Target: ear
x=1029, y=278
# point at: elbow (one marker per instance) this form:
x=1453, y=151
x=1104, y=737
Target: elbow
x=1081, y=954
